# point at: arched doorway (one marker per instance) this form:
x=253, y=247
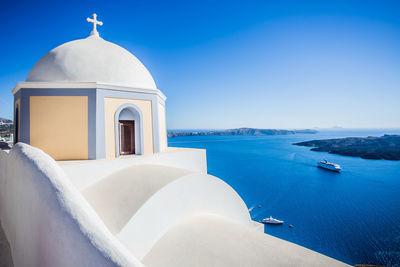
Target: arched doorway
x=16, y=124
x=128, y=130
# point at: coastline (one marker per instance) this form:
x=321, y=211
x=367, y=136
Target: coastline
x=240, y=131
x=385, y=147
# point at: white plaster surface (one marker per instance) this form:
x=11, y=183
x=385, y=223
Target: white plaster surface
x=184, y=197
x=117, y=197
x=46, y=220
x=211, y=240
x=84, y=173
x=91, y=60
x=5, y=251
x=147, y=208
x=140, y=201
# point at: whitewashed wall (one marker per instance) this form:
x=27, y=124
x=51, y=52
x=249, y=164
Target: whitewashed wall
x=46, y=220
x=185, y=197
x=85, y=173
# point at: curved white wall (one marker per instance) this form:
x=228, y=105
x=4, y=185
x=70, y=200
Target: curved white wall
x=46, y=220
x=84, y=174
x=190, y=195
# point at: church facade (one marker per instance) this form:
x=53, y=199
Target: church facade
x=90, y=99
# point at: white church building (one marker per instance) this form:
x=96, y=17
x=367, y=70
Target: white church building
x=90, y=99
x=91, y=180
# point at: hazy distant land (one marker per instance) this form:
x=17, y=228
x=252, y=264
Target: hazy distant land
x=240, y=131
x=384, y=147
x=6, y=127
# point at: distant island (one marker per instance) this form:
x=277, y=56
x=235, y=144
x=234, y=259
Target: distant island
x=241, y=131
x=384, y=147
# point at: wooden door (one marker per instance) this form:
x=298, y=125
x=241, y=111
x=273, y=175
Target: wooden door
x=126, y=137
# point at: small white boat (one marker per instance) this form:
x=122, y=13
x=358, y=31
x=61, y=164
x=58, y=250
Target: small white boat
x=271, y=220
x=329, y=166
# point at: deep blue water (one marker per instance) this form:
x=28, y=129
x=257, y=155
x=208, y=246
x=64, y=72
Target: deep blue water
x=353, y=216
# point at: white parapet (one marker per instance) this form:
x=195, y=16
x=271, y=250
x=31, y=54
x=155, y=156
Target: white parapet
x=47, y=221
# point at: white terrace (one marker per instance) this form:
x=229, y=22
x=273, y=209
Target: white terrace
x=155, y=210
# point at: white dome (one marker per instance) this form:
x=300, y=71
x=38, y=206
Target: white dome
x=91, y=60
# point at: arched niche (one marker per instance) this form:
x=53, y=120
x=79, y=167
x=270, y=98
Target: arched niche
x=126, y=113
x=16, y=125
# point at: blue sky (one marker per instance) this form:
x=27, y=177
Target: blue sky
x=225, y=64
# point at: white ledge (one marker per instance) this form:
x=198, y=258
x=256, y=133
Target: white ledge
x=85, y=85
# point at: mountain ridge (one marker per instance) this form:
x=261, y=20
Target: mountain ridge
x=371, y=147
x=240, y=131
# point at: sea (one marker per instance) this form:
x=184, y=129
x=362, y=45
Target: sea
x=352, y=216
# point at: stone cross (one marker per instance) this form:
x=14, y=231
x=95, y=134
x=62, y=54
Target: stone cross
x=95, y=23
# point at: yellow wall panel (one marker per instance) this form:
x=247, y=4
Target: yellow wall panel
x=110, y=107
x=59, y=126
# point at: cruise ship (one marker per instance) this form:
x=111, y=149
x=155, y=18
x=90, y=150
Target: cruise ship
x=329, y=166
x=271, y=220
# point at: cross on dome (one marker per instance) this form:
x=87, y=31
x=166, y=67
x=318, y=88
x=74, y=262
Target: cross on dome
x=95, y=23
